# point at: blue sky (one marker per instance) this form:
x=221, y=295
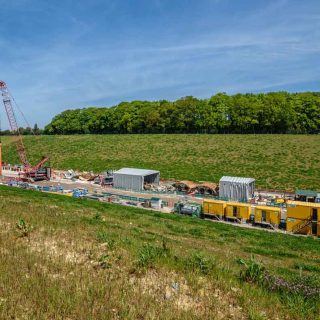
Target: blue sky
x=56, y=55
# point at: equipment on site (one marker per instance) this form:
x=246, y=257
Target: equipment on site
x=79, y=192
x=29, y=172
x=191, y=209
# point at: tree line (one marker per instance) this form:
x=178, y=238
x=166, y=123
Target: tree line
x=276, y=112
x=24, y=131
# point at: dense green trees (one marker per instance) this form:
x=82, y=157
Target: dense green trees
x=276, y=112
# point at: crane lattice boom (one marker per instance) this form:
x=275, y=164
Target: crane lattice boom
x=7, y=101
x=13, y=124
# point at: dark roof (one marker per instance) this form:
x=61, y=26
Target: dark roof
x=307, y=193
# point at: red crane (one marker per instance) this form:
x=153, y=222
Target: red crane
x=28, y=170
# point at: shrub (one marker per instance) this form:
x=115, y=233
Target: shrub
x=97, y=217
x=148, y=254
x=103, y=261
x=195, y=232
x=253, y=271
x=103, y=237
x=200, y=263
x=23, y=228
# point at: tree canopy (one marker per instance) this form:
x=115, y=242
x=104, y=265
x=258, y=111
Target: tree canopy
x=275, y=112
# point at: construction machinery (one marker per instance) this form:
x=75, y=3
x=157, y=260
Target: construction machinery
x=190, y=209
x=28, y=172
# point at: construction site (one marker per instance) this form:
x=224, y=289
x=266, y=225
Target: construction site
x=233, y=200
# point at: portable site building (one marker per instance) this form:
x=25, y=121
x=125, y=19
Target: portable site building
x=266, y=214
x=307, y=195
x=239, y=211
x=303, y=217
x=134, y=179
x=214, y=208
x=236, y=188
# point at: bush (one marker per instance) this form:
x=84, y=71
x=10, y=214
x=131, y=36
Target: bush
x=103, y=237
x=199, y=263
x=253, y=271
x=95, y=219
x=23, y=228
x=148, y=254
x=103, y=261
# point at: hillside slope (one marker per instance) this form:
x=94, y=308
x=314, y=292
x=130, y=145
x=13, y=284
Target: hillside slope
x=276, y=161
x=76, y=259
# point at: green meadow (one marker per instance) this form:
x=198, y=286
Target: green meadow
x=281, y=162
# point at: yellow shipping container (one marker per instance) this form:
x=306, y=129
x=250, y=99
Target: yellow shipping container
x=300, y=216
x=214, y=208
x=267, y=214
x=303, y=210
x=238, y=210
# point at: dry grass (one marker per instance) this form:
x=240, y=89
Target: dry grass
x=88, y=260
x=276, y=161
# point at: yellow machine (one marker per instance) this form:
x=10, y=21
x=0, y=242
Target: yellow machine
x=279, y=200
x=265, y=214
x=303, y=217
x=237, y=210
x=214, y=208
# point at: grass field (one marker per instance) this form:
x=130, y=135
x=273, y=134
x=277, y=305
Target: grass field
x=63, y=258
x=276, y=161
